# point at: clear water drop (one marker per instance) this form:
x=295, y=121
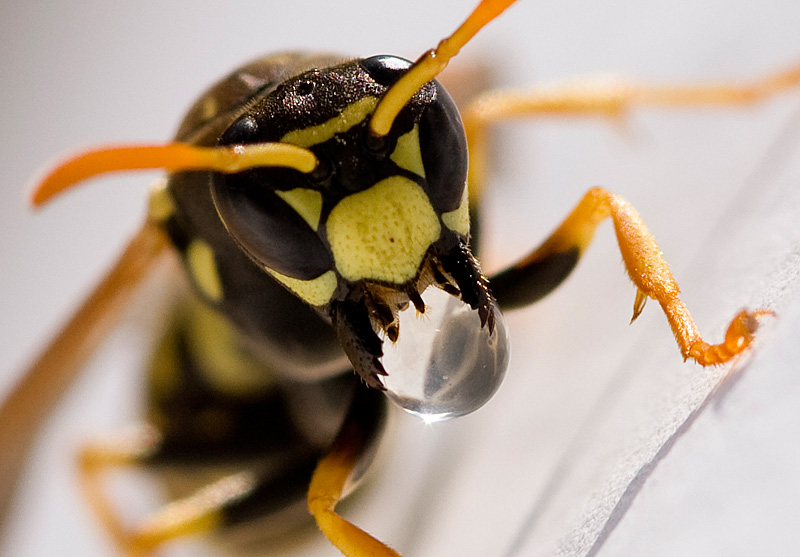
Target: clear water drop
x=444, y=363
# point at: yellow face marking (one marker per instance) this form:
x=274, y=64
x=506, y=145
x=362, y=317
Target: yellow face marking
x=346, y=119
x=316, y=291
x=384, y=232
x=407, y=154
x=307, y=203
x=458, y=220
x=160, y=205
x=203, y=267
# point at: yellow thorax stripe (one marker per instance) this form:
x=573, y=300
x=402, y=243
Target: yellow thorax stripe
x=203, y=269
x=160, y=206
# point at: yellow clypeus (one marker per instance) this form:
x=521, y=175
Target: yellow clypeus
x=384, y=232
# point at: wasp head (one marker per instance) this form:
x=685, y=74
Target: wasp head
x=378, y=221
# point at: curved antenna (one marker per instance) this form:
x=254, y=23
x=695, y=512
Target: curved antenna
x=172, y=157
x=431, y=64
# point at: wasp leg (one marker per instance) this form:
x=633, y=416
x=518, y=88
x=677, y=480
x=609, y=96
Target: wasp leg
x=231, y=500
x=193, y=515
x=333, y=474
x=265, y=489
x=644, y=263
x=594, y=97
x=128, y=449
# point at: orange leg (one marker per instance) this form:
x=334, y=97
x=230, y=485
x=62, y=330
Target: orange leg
x=199, y=513
x=327, y=488
x=325, y=492
x=99, y=457
x=594, y=97
x=644, y=263
x=546, y=267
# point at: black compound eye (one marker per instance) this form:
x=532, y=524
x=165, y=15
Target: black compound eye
x=443, y=144
x=242, y=131
x=385, y=69
x=267, y=228
x=261, y=222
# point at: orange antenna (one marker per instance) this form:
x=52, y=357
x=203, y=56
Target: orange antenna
x=172, y=157
x=431, y=64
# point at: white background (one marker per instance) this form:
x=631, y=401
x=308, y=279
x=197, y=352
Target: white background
x=601, y=440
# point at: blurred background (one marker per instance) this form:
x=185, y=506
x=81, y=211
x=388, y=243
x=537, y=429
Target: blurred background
x=601, y=441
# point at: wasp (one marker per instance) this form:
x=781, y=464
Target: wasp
x=335, y=195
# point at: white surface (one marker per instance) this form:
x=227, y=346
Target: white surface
x=585, y=426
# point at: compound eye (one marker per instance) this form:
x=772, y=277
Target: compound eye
x=443, y=145
x=271, y=224
x=267, y=228
x=385, y=69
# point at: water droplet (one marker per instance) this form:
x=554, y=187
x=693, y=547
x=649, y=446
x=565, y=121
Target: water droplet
x=445, y=364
